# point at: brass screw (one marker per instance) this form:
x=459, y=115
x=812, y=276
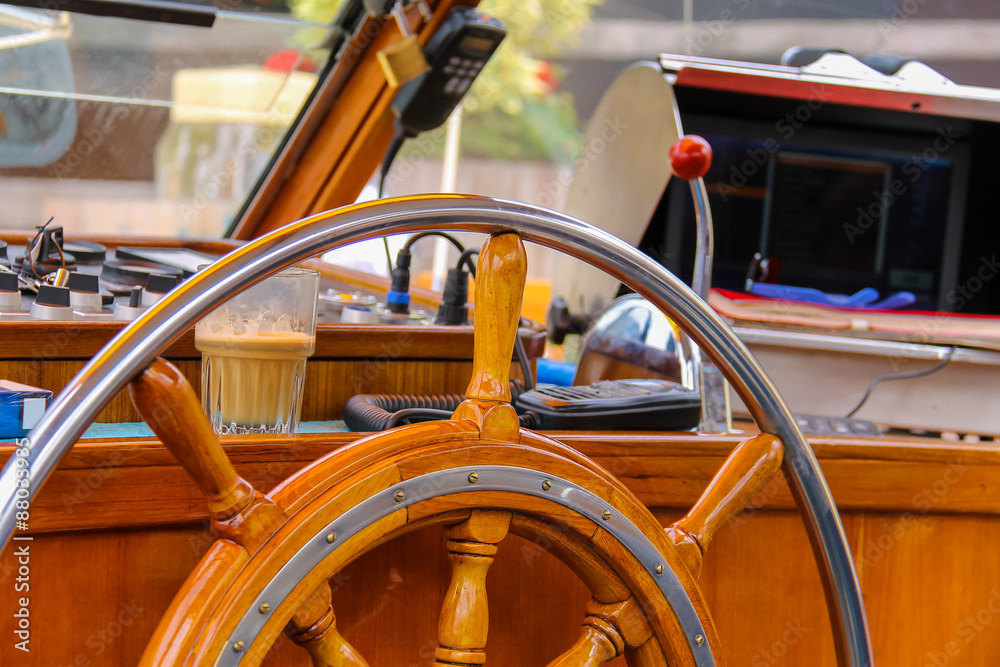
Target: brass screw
x=473, y=477
x=238, y=647
x=331, y=537
x=607, y=515
x=264, y=608
x=546, y=485
x=699, y=640
x=399, y=496
x=659, y=568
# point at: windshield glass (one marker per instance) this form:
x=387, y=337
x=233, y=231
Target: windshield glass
x=132, y=127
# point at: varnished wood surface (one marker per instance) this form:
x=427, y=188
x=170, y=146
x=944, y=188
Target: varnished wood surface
x=348, y=360
x=238, y=514
x=42, y=342
x=747, y=471
x=336, y=483
x=130, y=483
x=463, y=626
x=502, y=272
x=923, y=591
x=923, y=557
x=172, y=410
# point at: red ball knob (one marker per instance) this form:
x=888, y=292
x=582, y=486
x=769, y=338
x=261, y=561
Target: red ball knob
x=690, y=157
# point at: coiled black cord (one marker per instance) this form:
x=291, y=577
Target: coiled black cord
x=378, y=412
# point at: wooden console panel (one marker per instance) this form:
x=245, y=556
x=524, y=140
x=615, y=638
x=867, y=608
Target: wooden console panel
x=120, y=526
x=349, y=359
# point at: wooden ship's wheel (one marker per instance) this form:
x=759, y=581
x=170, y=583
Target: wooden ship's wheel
x=478, y=476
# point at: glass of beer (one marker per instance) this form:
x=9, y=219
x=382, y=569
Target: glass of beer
x=253, y=354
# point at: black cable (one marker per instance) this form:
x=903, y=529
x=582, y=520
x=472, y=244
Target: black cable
x=390, y=155
x=416, y=237
x=412, y=413
x=377, y=412
x=522, y=358
x=905, y=375
x=388, y=255
x=398, y=138
x=37, y=240
x=466, y=258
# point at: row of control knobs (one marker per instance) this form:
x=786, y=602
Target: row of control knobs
x=76, y=295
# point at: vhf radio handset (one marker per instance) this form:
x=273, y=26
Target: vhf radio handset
x=456, y=54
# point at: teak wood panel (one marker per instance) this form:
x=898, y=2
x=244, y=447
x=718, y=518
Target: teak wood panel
x=99, y=595
x=128, y=483
x=931, y=583
x=348, y=360
x=328, y=384
x=39, y=342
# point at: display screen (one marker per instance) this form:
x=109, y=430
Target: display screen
x=826, y=212
x=476, y=44
x=833, y=210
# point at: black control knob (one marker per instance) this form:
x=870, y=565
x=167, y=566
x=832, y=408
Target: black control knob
x=83, y=282
x=49, y=295
x=8, y=282
x=10, y=293
x=160, y=283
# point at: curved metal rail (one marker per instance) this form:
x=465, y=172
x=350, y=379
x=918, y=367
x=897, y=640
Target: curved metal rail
x=144, y=339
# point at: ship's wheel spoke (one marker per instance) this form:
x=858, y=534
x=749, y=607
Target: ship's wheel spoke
x=608, y=631
x=326, y=646
x=750, y=468
x=238, y=512
x=464, y=622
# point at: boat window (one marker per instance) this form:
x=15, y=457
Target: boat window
x=145, y=127
x=521, y=127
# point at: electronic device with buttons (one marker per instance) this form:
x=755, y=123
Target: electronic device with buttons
x=616, y=405
x=456, y=54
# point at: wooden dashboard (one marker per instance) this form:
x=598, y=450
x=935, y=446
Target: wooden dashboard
x=921, y=516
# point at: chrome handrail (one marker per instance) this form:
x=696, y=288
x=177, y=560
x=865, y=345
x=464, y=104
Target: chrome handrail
x=138, y=344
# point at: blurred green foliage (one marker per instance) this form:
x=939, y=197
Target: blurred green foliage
x=514, y=110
